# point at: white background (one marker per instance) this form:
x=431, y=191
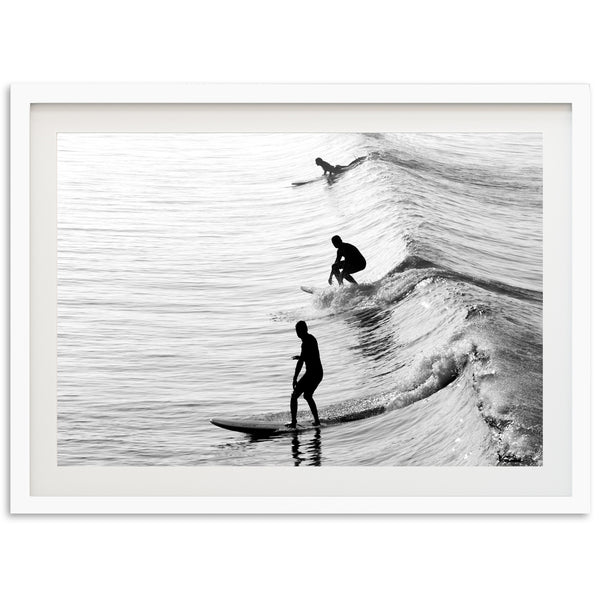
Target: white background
x=349, y=557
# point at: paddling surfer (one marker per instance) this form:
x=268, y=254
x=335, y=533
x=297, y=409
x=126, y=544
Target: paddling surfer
x=353, y=261
x=331, y=170
x=327, y=168
x=312, y=377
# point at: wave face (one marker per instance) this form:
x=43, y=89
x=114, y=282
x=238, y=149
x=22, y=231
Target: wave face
x=180, y=261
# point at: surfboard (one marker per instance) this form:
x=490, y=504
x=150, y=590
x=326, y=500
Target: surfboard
x=259, y=427
x=355, y=163
x=309, y=289
x=297, y=183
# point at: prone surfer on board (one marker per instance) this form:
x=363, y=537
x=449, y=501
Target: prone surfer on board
x=353, y=261
x=331, y=170
x=312, y=377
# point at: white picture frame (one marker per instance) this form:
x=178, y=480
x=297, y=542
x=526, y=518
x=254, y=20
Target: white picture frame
x=28, y=427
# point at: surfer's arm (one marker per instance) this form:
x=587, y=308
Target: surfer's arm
x=327, y=168
x=299, y=366
x=334, y=272
x=335, y=266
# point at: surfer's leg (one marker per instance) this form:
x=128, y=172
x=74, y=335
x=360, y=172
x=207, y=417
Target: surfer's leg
x=313, y=407
x=294, y=403
x=308, y=396
x=293, y=409
x=352, y=269
x=346, y=274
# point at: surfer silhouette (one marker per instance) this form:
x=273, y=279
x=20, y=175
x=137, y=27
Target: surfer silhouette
x=335, y=170
x=312, y=377
x=353, y=261
x=327, y=168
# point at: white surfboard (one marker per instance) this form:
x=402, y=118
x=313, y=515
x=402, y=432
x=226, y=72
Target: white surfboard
x=310, y=289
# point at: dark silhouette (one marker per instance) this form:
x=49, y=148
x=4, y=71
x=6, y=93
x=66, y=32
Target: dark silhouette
x=353, y=261
x=327, y=168
x=331, y=170
x=312, y=377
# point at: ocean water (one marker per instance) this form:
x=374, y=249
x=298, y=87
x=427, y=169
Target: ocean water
x=180, y=261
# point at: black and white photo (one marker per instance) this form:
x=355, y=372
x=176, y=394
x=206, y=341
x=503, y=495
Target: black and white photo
x=300, y=299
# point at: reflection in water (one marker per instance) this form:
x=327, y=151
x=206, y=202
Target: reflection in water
x=311, y=455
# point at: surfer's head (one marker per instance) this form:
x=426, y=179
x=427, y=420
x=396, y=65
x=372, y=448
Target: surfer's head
x=319, y=161
x=336, y=240
x=301, y=329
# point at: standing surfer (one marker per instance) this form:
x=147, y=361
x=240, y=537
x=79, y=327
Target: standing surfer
x=353, y=261
x=312, y=377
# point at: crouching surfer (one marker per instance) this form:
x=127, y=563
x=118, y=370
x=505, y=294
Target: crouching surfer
x=348, y=260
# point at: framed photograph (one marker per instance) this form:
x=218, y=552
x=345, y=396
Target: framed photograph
x=300, y=298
